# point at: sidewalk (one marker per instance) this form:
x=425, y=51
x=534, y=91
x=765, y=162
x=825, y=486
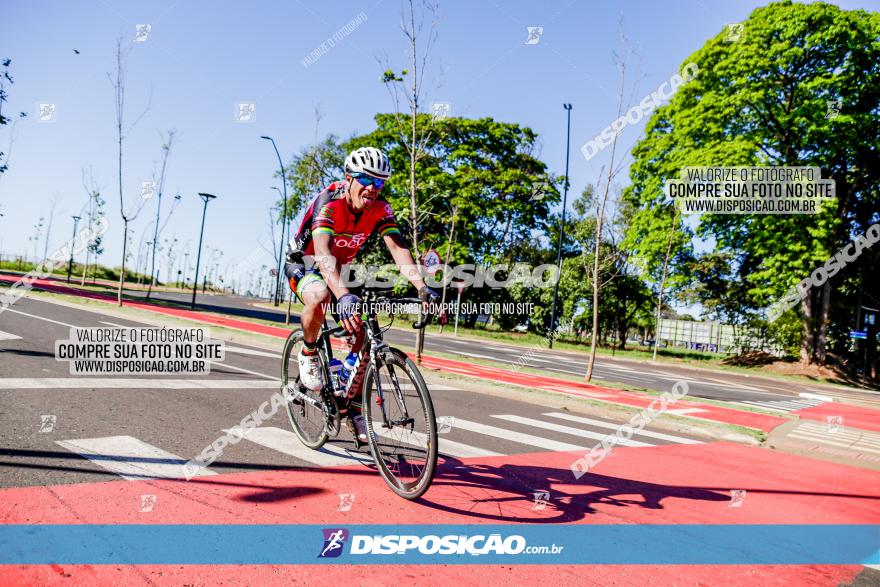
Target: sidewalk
x=854, y=416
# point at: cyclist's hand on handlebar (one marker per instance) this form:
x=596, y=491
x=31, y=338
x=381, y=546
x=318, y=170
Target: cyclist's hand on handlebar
x=349, y=313
x=429, y=298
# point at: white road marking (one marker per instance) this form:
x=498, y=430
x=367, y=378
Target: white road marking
x=40, y=318
x=256, y=353
x=117, y=325
x=62, y=383
x=685, y=411
x=510, y=435
x=816, y=396
x=705, y=381
x=131, y=458
x=444, y=447
x=248, y=371
x=475, y=355
x=613, y=426
x=8, y=336
x=824, y=440
x=567, y=429
x=288, y=443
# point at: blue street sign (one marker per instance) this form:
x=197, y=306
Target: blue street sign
x=858, y=334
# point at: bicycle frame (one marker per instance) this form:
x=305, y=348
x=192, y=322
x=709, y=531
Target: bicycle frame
x=373, y=349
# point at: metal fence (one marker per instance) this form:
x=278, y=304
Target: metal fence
x=714, y=337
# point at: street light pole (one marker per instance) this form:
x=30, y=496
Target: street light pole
x=70, y=263
x=552, y=333
x=206, y=198
x=284, y=215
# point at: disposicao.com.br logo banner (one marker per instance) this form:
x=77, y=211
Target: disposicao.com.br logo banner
x=476, y=544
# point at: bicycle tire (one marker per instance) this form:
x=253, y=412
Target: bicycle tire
x=297, y=412
x=406, y=489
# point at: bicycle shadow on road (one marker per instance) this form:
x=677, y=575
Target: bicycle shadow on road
x=532, y=494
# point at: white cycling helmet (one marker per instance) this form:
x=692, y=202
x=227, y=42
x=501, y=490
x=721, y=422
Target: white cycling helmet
x=369, y=160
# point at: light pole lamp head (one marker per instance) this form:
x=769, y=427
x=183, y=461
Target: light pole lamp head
x=266, y=138
x=77, y=218
x=206, y=197
x=567, y=106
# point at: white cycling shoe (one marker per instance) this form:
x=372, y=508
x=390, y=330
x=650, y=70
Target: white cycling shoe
x=310, y=374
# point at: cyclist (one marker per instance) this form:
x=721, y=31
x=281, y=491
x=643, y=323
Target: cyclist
x=335, y=226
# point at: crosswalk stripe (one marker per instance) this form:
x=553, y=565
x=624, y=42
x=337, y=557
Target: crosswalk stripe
x=8, y=336
x=544, y=443
x=288, y=443
x=842, y=432
x=567, y=430
x=131, y=458
x=132, y=383
x=444, y=446
x=824, y=440
x=613, y=426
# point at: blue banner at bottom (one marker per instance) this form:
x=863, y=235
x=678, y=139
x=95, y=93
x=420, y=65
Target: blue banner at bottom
x=440, y=544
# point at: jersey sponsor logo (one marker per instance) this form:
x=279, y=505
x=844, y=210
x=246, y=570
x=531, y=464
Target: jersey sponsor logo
x=354, y=242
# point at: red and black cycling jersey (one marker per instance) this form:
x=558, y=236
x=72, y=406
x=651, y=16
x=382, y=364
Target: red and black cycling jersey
x=330, y=214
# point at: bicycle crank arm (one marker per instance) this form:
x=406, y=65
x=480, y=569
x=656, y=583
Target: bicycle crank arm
x=298, y=395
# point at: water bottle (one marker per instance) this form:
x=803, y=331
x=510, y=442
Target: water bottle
x=347, y=368
x=336, y=370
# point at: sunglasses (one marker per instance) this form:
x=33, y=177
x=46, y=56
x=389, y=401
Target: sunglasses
x=367, y=181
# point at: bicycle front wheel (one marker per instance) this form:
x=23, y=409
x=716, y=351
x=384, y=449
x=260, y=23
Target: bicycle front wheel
x=401, y=426
x=303, y=405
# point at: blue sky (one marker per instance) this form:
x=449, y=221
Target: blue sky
x=201, y=58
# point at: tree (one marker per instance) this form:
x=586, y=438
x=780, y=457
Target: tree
x=119, y=91
x=93, y=210
x=414, y=137
x=166, y=152
x=7, y=80
x=763, y=101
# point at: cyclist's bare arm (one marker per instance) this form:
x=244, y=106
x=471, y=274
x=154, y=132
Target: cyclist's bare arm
x=326, y=263
x=404, y=260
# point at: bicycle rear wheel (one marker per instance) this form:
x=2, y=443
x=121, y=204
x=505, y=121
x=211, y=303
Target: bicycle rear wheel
x=303, y=405
x=403, y=440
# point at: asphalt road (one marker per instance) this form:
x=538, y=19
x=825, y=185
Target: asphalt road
x=751, y=390
x=56, y=428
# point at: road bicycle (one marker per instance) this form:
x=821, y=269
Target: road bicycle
x=400, y=422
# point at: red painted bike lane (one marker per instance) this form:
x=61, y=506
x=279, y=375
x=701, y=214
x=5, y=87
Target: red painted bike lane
x=671, y=484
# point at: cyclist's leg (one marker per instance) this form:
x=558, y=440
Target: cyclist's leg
x=309, y=287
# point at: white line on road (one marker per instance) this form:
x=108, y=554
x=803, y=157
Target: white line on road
x=256, y=353
x=566, y=429
x=131, y=458
x=40, y=318
x=444, y=445
x=8, y=336
x=115, y=325
x=475, y=355
x=288, y=443
x=248, y=371
x=512, y=436
x=613, y=426
x=144, y=383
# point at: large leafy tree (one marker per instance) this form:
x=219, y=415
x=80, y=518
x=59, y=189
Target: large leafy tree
x=763, y=100
x=487, y=173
